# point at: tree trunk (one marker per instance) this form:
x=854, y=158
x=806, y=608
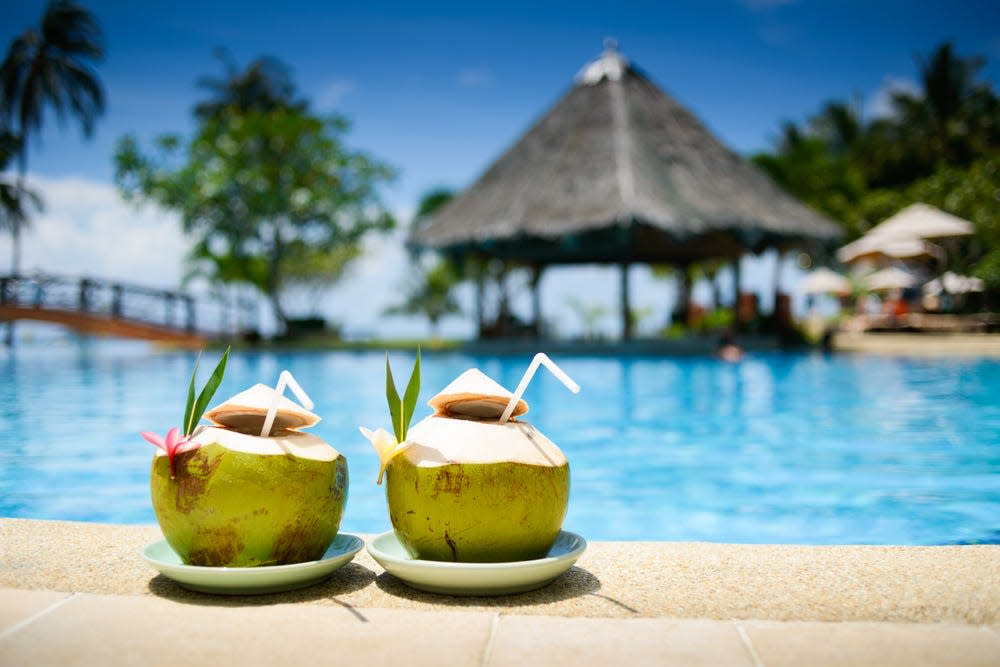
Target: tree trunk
x=15, y=260
x=536, y=299
x=625, y=304
x=15, y=233
x=274, y=279
x=683, y=294
x=480, y=308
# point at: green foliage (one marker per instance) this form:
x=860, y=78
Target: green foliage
x=16, y=200
x=430, y=290
x=836, y=160
x=313, y=270
x=590, y=315
x=940, y=146
x=194, y=409
x=718, y=320
x=429, y=293
x=401, y=411
x=262, y=188
x=430, y=202
x=972, y=193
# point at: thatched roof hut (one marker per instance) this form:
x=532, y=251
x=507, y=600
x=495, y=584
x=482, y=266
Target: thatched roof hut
x=618, y=172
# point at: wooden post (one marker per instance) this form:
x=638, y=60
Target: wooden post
x=84, y=296
x=536, y=299
x=777, y=278
x=626, y=305
x=189, y=312
x=684, y=294
x=480, y=296
x=168, y=299
x=737, y=289
x=116, y=301
x=737, y=283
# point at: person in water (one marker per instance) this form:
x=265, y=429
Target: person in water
x=728, y=350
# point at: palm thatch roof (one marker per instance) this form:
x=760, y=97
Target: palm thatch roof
x=618, y=171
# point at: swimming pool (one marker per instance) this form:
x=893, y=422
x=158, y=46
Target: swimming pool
x=779, y=448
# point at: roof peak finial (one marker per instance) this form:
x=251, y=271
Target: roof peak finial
x=610, y=65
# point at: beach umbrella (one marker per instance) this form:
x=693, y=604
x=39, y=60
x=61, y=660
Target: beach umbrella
x=923, y=222
x=886, y=247
x=825, y=281
x=900, y=236
x=953, y=283
x=890, y=279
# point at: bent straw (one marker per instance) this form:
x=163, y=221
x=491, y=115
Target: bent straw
x=540, y=358
x=285, y=379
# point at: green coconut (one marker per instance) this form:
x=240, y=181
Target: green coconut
x=242, y=500
x=470, y=489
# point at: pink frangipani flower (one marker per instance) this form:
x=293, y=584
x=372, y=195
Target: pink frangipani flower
x=173, y=445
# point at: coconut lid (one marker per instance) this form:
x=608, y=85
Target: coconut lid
x=247, y=410
x=475, y=394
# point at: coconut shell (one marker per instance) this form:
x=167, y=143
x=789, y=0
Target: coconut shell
x=247, y=411
x=475, y=394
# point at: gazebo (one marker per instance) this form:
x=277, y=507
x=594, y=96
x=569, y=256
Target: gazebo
x=618, y=173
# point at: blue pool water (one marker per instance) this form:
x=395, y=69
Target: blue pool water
x=785, y=448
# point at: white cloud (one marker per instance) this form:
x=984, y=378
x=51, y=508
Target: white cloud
x=330, y=96
x=87, y=230
x=880, y=103
x=473, y=77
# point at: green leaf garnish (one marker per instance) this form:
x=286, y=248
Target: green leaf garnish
x=410, y=396
x=395, y=404
x=189, y=407
x=195, y=409
x=401, y=411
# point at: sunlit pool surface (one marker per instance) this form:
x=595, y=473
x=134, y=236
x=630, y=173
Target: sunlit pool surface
x=779, y=448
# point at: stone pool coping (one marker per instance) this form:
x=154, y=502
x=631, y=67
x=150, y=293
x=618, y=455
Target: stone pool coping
x=84, y=585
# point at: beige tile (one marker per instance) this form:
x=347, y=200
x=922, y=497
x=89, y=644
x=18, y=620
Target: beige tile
x=883, y=644
x=108, y=630
x=555, y=641
x=17, y=606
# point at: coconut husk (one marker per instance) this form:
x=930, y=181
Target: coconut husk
x=247, y=410
x=280, y=443
x=475, y=394
x=438, y=441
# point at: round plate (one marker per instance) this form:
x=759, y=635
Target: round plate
x=476, y=578
x=252, y=580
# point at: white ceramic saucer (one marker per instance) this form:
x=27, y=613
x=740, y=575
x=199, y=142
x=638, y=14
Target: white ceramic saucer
x=476, y=578
x=252, y=580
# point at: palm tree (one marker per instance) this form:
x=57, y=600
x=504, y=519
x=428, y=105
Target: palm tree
x=430, y=295
x=431, y=292
x=938, y=119
x=265, y=85
x=14, y=200
x=48, y=68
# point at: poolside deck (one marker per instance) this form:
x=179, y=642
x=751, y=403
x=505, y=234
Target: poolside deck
x=77, y=593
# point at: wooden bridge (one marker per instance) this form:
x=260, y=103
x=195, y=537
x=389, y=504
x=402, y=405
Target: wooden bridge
x=101, y=307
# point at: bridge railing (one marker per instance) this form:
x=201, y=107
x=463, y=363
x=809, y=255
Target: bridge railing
x=118, y=300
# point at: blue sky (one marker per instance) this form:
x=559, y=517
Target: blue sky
x=439, y=89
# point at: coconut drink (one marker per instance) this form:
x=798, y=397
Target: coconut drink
x=474, y=481
x=226, y=495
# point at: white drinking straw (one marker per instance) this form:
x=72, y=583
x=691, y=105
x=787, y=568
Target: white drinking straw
x=285, y=379
x=540, y=358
